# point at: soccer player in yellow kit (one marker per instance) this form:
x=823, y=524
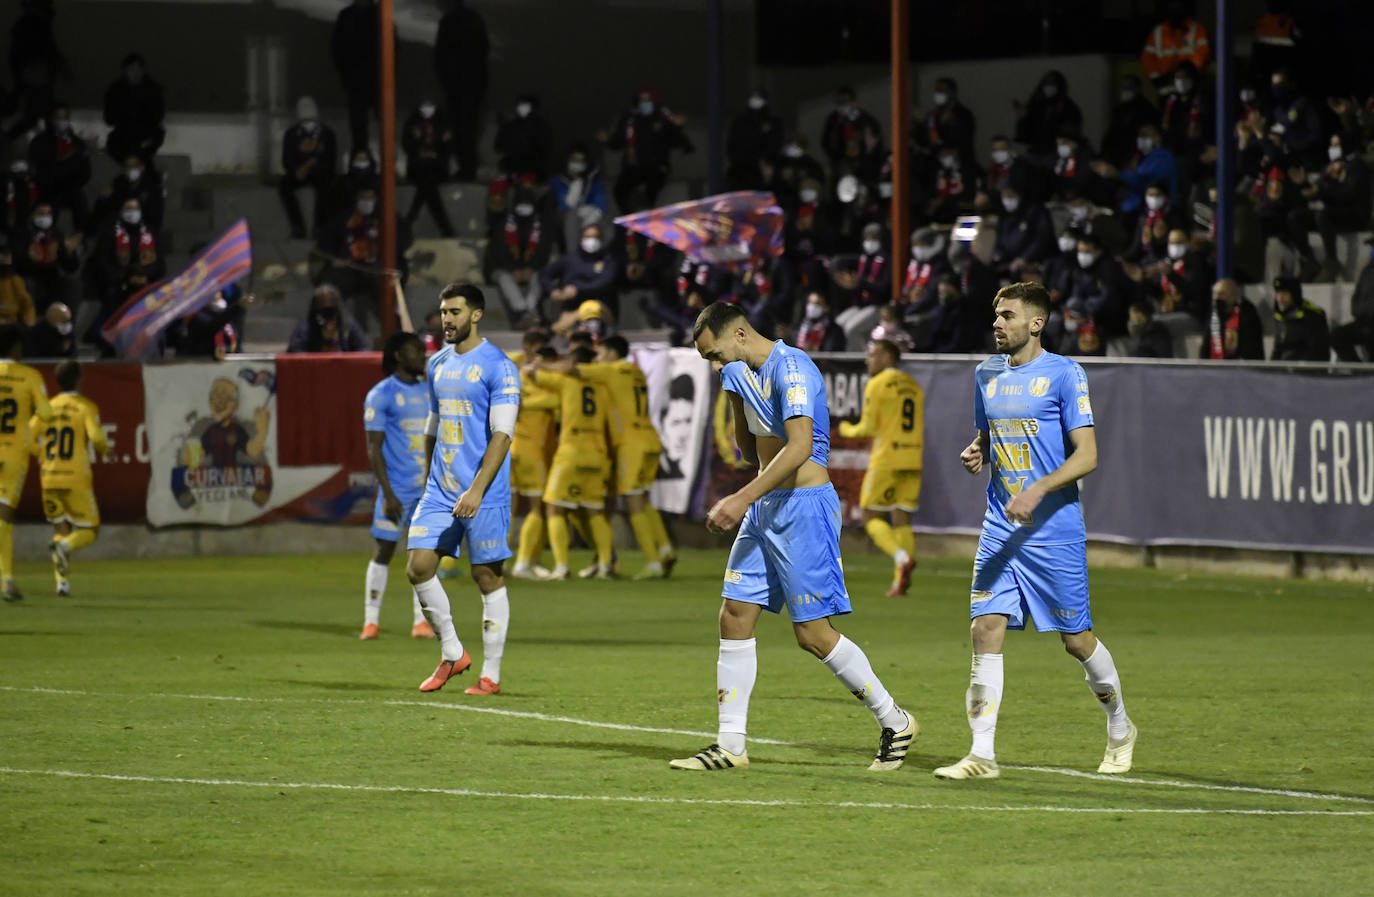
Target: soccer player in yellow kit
x=581, y=465
x=530, y=454
x=635, y=447
x=894, y=410
x=64, y=465
x=22, y=396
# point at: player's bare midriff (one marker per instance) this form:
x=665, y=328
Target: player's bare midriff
x=808, y=475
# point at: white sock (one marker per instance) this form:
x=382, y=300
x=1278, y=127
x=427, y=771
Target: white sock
x=434, y=600
x=418, y=612
x=1100, y=672
x=850, y=665
x=736, y=670
x=901, y=557
x=373, y=591
x=982, y=701
x=495, y=619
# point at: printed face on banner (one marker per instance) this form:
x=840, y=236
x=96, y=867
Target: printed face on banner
x=223, y=455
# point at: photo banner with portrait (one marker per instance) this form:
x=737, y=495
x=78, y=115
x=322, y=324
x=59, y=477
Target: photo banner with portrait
x=680, y=390
x=212, y=438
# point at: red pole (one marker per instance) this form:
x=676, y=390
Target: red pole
x=901, y=111
x=386, y=111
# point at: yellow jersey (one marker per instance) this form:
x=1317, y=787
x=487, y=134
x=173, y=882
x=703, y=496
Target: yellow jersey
x=22, y=396
x=583, y=412
x=629, y=394
x=64, y=460
x=894, y=415
x=534, y=425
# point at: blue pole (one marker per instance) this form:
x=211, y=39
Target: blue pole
x=1225, y=139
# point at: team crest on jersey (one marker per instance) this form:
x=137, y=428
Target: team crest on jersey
x=1084, y=406
x=370, y=415
x=474, y=374
x=991, y=390
x=400, y=400
x=1039, y=386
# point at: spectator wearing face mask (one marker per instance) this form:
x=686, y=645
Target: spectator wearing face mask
x=139, y=180
x=309, y=152
x=461, y=51
x=44, y=257
x=1007, y=167
x=1155, y=164
x=949, y=122
x=353, y=244
x=361, y=172
x=1302, y=130
x=817, y=331
x=1233, y=327
x=1300, y=329
x=648, y=133
x=524, y=141
x=1057, y=271
x=957, y=183
x=588, y=272
x=326, y=327
x=61, y=166
x=216, y=329
x=890, y=328
x=134, y=110
x=579, y=195
x=1177, y=39
x=1048, y=113
x=1089, y=219
x=16, y=305
x=1156, y=220
x=950, y=327
x=1285, y=215
x=928, y=262
x=21, y=193
x=755, y=136
x=1095, y=309
x=846, y=132
x=1183, y=281
x=128, y=260
x=794, y=168
x=1146, y=337
x=428, y=145
x=52, y=336
x=1025, y=233
x=861, y=284
x=1072, y=168
x=1131, y=112
x=1345, y=193
x=1188, y=127
x=516, y=252
x=1358, y=334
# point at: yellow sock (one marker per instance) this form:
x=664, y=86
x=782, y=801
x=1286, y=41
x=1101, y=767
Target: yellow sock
x=6, y=550
x=531, y=538
x=906, y=538
x=659, y=532
x=558, y=538
x=881, y=533
x=601, y=536
x=79, y=538
x=644, y=535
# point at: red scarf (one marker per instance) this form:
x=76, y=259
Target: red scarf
x=917, y=275
x=66, y=147
x=997, y=174
x=363, y=238
x=1194, y=115
x=1147, y=235
x=147, y=246
x=630, y=140
x=811, y=333
x=1217, y=342
x=633, y=253
x=513, y=239
x=687, y=276
x=1166, y=286
x=43, y=248
x=1067, y=168
x=871, y=267
x=949, y=184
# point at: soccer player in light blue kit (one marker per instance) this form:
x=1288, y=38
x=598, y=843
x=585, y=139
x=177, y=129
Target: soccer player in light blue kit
x=1033, y=414
x=394, y=415
x=474, y=399
x=787, y=551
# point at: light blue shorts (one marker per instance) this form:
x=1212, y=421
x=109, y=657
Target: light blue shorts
x=787, y=552
x=434, y=527
x=388, y=530
x=1047, y=583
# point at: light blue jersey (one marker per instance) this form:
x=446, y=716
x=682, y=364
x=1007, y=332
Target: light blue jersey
x=788, y=385
x=398, y=410
x=1028, y=413
x=463, y=390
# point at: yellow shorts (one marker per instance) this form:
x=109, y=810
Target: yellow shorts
x=887, y=490
x=528, y=474
x=74, y=506
x=635, y=469
x=12, y=481
x=571, y=486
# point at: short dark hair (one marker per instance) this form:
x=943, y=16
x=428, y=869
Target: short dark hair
x=1029, y=292
x=617, y=344
x=469, y=292
x=536, y=337
x=580, y=338
x=392, y=347
x=1144, y=306
x=584, y=355
x=891, y=348
x=716, y=317
x=548, y=353
x=11, y=335
x=682, y=387
x=68, y=375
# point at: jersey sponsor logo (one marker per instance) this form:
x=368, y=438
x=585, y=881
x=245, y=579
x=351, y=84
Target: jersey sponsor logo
x=1039, y=386
x=1084, y=406
x=417, y=442
x=474, y=373
x=447, y=456
x=400, y=400
x=796, y=395
x=370, y=415
x=455, y=407
x=1028, y=426
x=978, y=596
x=733, y=576
x=385, y=525
x=795, y=377
x=1014, y=485
x=991, y=389
x=1082, y=385
x=417, y=532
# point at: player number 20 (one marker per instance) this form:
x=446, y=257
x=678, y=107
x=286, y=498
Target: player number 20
x=60, y=443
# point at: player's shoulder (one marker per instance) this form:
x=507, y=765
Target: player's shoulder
x=734, y=376
x=991, y=366
x=1065, y=366
x=380, y=389
x=87, y=406
x=438, y=359
x=793, y=362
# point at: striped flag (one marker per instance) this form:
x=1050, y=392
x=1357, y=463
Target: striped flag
x=133, y=329
x=729, y=229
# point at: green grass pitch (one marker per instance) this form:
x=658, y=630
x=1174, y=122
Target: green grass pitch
x=214, y=726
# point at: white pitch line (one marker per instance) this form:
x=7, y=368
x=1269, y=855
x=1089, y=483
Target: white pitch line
x=626, y=727
x=645, y=799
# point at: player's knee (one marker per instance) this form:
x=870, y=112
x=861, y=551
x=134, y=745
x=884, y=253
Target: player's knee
x=421, y=567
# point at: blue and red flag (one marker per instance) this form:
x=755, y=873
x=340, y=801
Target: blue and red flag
x=730, y=229
x=133, y=329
